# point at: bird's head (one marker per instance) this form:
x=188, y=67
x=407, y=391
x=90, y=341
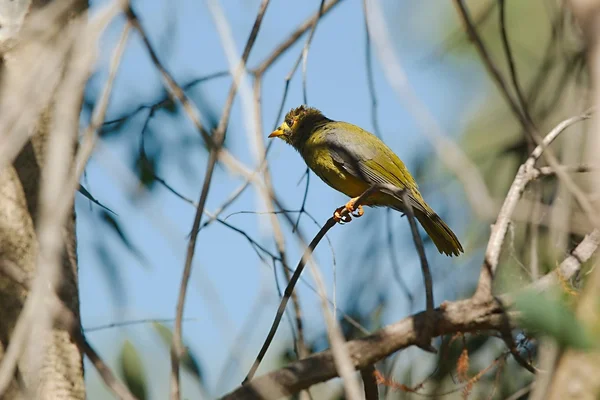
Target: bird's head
x=298, y=124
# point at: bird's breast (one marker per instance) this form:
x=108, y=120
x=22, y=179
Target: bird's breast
x=319, y=160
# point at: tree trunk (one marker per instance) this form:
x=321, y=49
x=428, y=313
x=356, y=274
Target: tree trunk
x=60, y=375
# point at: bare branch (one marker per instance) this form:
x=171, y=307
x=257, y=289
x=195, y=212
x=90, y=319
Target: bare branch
x=178, y=349
x=472, y=315
x=524, y=175
x=286, y=44
x=451, y=317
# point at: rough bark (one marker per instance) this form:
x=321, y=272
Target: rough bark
x=61, y=373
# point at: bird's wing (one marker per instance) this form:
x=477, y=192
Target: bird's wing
x=361, y=159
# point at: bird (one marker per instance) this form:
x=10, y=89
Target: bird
x=352, y=160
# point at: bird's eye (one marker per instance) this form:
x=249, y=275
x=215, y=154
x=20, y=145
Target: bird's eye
x=289, y=121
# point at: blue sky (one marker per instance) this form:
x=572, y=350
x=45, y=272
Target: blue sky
x=230, y=285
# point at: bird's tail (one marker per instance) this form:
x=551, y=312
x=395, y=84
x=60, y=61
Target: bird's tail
x=444, y=239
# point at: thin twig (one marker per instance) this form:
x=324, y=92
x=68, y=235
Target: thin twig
x=524, y=175
x=286, y=296
x=178, y=349
x=294, y=279
x=304, y=54
x=489, y=64
x=165, y=100
x=370, y=76
x=511, y=63
x=293, y=38
x=300, y=345
x=110, y=380
x=394, y=261
x=427, y=280
x=290, y=288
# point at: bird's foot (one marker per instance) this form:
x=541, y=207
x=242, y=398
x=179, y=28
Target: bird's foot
x=350, y=211
x=352, y=208
x=341, y=218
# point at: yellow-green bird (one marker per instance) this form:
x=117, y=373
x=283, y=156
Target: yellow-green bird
x=351, y=160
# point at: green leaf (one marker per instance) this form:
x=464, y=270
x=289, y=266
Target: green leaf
x=549, y=315
x=164, y=332
x=188, y=360
x=146, y=170
x=132, y=370
x=115, y=226
x=91, y=198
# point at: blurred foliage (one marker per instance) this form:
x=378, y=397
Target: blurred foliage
x=132, y=370
x=188, y=360
x=113, y=225
x=549, y=315
x=550, y=64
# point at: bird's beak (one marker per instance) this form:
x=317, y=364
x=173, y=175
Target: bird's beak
x=276, y=133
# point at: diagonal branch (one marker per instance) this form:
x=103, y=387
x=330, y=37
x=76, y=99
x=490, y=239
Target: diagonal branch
x=525, y=174
x=470, y=315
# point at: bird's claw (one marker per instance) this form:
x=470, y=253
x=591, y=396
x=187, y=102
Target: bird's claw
x=341, y=218
x=351, y=211
x=359, y=212
x=352, y=208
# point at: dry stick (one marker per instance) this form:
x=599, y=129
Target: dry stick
x=511, y=63
x=177, y=349
x=469, y=315
x=286, y=296
x=286, y=44
x=110, y=380
x=304, y=54
x=294, y=279
x=341, y=359
x=426, y=339
x=549, y=171
x=301, y=348
x=279, y=240
x=488, y=63
x=370, y=77
x=524, y=175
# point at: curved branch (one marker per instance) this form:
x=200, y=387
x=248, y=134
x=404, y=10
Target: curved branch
x=464, y=316
x=451, y=317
